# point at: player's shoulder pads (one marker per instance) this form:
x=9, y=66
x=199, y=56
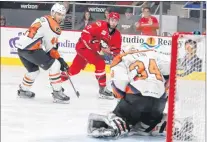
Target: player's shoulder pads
x=54, y=26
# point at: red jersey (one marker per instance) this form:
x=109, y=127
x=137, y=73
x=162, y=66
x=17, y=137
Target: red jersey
x=148, y=29
x=99, y=30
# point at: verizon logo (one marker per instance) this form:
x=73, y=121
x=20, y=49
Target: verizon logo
x=96, y=9
x=29, y=6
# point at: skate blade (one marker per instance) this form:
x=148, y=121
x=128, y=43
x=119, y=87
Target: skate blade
x=25, y=97
x=60, y=101
x=106, y=97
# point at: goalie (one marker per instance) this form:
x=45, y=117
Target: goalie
x=138, y=81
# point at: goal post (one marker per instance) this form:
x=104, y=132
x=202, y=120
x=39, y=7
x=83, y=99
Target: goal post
x=186, y=100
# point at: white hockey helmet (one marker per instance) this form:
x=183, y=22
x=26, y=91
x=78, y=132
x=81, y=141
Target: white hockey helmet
x=59, y=8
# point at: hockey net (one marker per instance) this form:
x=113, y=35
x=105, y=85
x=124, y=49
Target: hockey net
x=186, y=102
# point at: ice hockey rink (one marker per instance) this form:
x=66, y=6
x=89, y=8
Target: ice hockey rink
x=41, y=120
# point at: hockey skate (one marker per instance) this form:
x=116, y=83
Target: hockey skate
x=60, y=97
x=104, y=93
x=25, y=94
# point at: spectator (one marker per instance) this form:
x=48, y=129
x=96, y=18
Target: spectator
x=147, y=24
x=106, y=14
x=87, y=19
x=3, y=20
x=66, y=24
x=126, y=24
x=67, y=5
x=191, y=62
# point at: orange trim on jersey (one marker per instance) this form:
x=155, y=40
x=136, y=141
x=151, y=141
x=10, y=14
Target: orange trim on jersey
x=167, y=86
x=36, y=46
x=54, y=74
x=54, y=41
x=129, y=90
x=116, y=61
x=118, y=58
x=54, y=54
x=55, y=82
x=54, y=26
x=26, y=84
x=117, y=94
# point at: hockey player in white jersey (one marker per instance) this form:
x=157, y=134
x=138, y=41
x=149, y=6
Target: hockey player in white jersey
x=38, y=48
x=138, y=81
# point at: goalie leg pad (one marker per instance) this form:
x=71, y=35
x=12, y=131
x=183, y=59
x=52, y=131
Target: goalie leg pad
x=97, y=126
x=155, y=116
x=150, y=127
x=106, y=126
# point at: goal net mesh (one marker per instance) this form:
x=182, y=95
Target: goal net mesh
x=186, y=112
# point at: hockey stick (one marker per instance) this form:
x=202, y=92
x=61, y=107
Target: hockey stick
x=76, y=92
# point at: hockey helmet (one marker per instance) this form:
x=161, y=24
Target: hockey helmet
x=114, y=15
x=59, y=8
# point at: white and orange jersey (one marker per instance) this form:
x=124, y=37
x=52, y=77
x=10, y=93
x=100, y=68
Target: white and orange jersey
x=43, y=33
x=141, y=69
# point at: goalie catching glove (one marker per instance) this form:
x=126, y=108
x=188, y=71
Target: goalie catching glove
x=100, y=126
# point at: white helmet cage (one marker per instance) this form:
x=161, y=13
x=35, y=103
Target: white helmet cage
x=58, y=8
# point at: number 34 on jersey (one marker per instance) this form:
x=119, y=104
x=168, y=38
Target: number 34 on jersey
x=141, y=65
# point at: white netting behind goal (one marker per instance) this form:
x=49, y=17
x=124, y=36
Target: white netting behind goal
x=188, y=110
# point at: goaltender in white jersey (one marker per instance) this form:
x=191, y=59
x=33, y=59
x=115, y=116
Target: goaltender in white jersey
x=144, y=71
x=138, y=80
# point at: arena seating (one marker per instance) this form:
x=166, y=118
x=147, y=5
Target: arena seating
x=194, y=5
x=124, y=2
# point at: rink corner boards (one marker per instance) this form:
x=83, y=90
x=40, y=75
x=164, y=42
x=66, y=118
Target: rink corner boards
x=16, y=62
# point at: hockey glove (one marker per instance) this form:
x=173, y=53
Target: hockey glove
x=89, y=42
x=54, y=54
x=104, y=44
x=64, y=76
x=64, y=65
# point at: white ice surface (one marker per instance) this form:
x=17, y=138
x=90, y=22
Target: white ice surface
x=40, y=120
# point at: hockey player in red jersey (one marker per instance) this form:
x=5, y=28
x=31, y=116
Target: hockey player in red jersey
x=100, y=36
